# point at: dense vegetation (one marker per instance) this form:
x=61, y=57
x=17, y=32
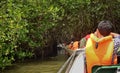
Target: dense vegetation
x=27, y=25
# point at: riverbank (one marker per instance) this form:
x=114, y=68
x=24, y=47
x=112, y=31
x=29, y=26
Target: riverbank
x=50, y=65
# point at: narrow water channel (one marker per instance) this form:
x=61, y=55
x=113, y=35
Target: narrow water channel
x=51, y=65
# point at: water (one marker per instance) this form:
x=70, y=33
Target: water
x=51, y=65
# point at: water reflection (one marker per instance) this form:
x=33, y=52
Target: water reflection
x=51, y=65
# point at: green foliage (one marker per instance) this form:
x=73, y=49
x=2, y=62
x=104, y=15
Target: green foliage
x=12, y=30
x=23, y=54
x=27, y=24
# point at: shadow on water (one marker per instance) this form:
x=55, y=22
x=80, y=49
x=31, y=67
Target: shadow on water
x=50, y=65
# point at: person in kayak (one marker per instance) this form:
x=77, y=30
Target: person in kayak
x=100, y=47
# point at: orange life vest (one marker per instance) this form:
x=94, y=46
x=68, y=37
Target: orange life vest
x=98, y=51
x=74, y=46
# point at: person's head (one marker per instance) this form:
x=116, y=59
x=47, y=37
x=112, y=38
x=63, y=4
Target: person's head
x=105, y=27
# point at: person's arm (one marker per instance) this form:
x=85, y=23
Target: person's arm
x=114, y=34
x=82, y=43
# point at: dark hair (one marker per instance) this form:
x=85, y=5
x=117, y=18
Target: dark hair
x=105, y=27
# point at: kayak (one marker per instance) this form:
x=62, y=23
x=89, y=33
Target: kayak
x=76, y=64
x=79, y=64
